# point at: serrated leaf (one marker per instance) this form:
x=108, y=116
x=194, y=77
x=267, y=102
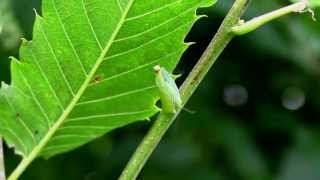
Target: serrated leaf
x=88, y=70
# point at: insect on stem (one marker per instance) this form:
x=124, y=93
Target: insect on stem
x=168, y=91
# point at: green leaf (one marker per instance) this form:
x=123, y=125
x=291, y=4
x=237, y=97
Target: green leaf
x=88, y=70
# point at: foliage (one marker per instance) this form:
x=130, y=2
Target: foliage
x=76, y=79
x=222, y=140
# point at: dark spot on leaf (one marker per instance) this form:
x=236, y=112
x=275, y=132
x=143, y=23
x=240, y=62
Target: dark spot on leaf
x=96, y=79
x=36, y=132
x=18, y=115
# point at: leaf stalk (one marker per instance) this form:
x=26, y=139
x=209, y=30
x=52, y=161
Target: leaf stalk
x=253, y=24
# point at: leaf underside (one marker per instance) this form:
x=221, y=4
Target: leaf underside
x=88, y=70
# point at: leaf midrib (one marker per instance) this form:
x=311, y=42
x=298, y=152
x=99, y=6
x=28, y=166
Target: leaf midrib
x=37, y=149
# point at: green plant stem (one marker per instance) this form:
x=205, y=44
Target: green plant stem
x=163, y=122
x=2, y=169
x=246, y=27
x=145, y=149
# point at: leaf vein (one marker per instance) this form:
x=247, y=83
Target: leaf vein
x=106, y=115
x=135, y=69
x=68, y=38
x=35, y=99
x=155, y=27
x=116, y=96
x=20, y=120
x=152, y=11
x=57, y=61
x=66, y=136
x=84, y=127
x=46, y=78
x=146, y=43
x=90, y=24
x=119, y=5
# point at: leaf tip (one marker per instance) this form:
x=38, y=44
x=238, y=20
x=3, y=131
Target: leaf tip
x=4, y=85
x=36, y=12
x=203, y=16
x=157, y=108
x=24, y=41
x=190, y=43
x=14, y=60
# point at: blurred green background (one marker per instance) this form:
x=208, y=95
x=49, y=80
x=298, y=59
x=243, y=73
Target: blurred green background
x=256, y=114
